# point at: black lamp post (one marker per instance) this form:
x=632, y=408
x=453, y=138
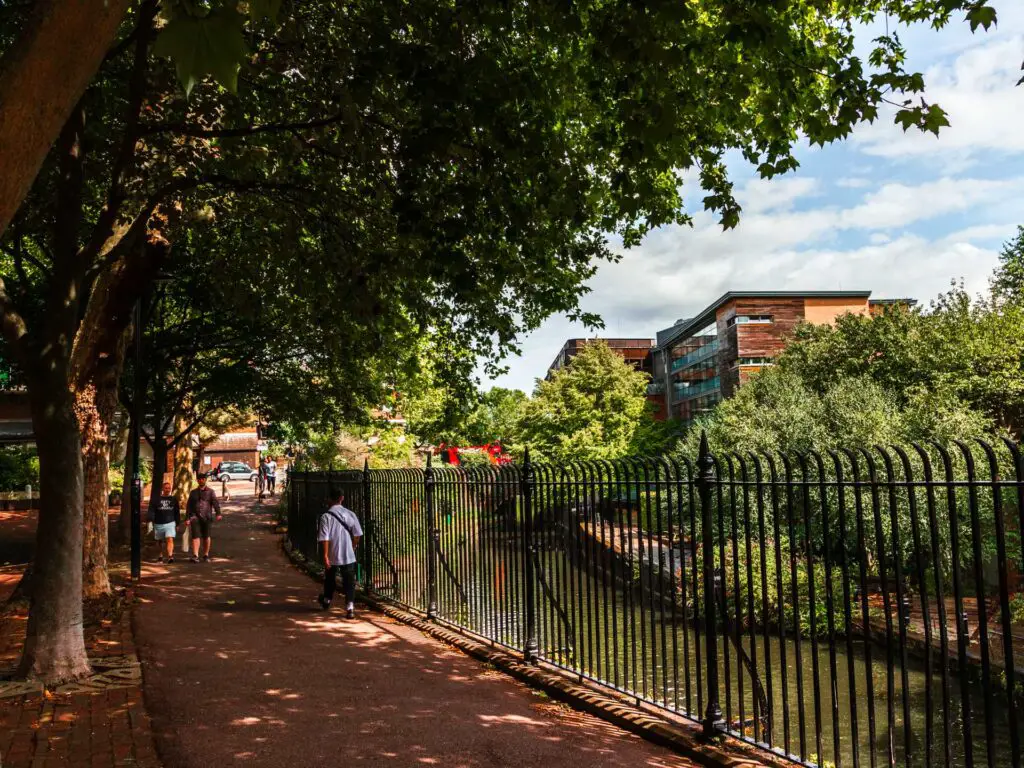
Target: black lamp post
x=136, y=436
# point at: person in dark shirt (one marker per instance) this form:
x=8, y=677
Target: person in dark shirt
x=165, y=515
x=202, y=509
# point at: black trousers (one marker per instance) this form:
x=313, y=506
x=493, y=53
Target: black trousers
x=348, y=581
x=270, y=482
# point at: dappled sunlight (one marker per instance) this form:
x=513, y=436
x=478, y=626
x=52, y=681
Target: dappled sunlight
x=236, y=653
x=511, y=719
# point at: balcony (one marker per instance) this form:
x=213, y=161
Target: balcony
x=655, y=388
x=696, y=356
x=686, y=391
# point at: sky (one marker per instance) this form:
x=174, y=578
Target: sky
x=901, y=215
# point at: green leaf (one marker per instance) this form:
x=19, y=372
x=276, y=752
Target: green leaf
x=935, y=118
x=981, y=16
x=213, y=45
x=908, y=117
x=264, y=9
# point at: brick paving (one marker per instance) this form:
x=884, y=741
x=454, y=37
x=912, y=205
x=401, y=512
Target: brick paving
x=241, y=665
x=99, y=723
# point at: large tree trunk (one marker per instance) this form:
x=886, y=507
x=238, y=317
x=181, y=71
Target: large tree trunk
x=55, y=647
x=42, y=77
x=96, y=403
x=183, y=458
x=160, y=452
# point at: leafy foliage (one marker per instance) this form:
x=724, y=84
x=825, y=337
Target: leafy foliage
x=961, y=348
x=1008, y=281
x=496, y=417
x=589, y=409
x=778, y=411
x=19, y=466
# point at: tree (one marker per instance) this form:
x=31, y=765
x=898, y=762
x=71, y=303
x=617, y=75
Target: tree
x=590, y=409
x=655, y=437
x=1008, y=281
x=54, y=55
x=496, y=417
x=778, y=411
x=973, y=348
x=416, y=167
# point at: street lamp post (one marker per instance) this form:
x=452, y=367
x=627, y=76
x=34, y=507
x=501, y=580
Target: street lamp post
x=136, y=418
x=136, y=434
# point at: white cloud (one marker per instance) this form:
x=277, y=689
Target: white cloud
x=762, y=195
x=978, y=90
x=853, y=182
x=896, y=204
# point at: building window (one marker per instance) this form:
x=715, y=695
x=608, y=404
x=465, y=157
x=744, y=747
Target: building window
x=749, y=320
x=752, y=361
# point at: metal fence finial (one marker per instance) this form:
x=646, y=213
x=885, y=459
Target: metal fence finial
x=705, y=450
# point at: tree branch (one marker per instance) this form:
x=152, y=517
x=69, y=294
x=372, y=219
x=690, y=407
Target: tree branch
x=12, y=324
x=183, y=129
x=188, y=430
x=126, y=152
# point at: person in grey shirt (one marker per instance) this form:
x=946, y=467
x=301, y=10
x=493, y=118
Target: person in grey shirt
x=339, y=533
x=270, y=469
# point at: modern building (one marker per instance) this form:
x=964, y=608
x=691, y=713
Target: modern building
x=635, y=351
x=700, y=361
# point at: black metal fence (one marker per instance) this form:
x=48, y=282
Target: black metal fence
x=855, y=608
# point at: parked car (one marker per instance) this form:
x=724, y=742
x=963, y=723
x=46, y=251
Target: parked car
x=235, y=470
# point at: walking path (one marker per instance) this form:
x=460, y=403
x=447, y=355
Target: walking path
x=240, y=664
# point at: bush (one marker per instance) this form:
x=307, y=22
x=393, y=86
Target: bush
x=19, y=466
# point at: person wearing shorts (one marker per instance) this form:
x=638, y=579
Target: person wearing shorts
x=202, y=508
x=271, y=473
x=165, y=515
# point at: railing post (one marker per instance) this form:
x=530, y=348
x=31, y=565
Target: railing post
x=433, y=540
x=712, y=721
x=368, y=522
x=530, y=647
x=292, y=506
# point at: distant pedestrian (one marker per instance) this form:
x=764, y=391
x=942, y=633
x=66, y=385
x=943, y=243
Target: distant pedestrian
x=271, y=473
x=339, y=533
x=202, y=509
x=165, y=515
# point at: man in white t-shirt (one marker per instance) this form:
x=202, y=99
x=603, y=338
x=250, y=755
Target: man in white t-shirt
x=339, y=533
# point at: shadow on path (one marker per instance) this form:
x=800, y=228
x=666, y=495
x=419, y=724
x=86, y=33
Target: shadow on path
x=240, y=664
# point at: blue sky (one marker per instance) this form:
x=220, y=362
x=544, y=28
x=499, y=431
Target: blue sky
x=897, y=214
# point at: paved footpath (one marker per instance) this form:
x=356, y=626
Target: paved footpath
x=239, y=664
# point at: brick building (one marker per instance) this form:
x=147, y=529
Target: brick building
x=700, y=361
x=635, y=351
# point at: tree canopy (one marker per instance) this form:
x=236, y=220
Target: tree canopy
x=590, y=409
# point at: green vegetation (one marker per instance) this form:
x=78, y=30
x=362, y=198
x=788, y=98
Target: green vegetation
x=19, y=466
x=590, y=409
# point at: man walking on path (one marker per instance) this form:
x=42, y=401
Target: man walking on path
x=202, y=508
x=339, y=533
x=165, y=516
x=271, y=472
